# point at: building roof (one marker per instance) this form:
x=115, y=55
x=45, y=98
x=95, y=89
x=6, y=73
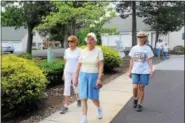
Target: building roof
x=125, y=25
x=12, y=34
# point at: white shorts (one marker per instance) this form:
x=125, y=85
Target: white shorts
x=68, y=79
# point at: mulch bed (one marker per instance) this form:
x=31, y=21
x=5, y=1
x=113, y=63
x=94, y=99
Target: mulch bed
x=54, y=99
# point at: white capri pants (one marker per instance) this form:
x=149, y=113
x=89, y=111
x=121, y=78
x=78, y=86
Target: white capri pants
x=68, y=79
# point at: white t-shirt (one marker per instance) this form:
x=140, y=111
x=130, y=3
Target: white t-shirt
x=90, y=59
x=159, y=45
x=72, y=58
x=140, y=54
x=165, y=48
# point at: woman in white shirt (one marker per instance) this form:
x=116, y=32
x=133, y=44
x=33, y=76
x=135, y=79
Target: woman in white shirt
x=140, y=69
x=89, y=75
x=71, y=55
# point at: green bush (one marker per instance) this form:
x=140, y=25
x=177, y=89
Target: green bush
x=34, y=48
x=53, y=71
x=179, y=49
x=81, y=36
x=112, y=59
x=22, y=82
x=25, y=55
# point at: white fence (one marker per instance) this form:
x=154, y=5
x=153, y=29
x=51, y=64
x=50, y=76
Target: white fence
x=110, y=40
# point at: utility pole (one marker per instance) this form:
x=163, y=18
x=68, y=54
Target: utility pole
x=134, y=25
x=184, y=23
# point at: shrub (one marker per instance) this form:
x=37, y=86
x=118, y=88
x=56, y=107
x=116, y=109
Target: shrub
x=53, y=71
x=22, y=82
x=178, y=49
x=112, y=59
x=81, y=36
x=25, y=55
x=34, y=48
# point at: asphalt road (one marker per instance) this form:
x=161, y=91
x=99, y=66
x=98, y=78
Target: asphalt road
x=164, y=100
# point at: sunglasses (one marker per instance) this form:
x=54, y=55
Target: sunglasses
x=141, y=37
x=70, y=41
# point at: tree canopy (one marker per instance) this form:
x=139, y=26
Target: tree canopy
x=74, y=16
x=25, y=13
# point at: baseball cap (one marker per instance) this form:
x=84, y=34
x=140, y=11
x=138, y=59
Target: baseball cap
x=142, y=34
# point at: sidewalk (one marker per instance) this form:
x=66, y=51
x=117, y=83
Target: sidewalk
x=113, y=97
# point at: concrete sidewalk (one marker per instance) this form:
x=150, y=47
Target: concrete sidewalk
x=113, y=97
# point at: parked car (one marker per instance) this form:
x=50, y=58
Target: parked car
x=7, y=47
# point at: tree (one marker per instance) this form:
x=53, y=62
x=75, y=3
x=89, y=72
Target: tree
x=97, y=26
x=25, y=13
x=163, y=17
x=75, y=15
x=126, y=9
x=181, y=4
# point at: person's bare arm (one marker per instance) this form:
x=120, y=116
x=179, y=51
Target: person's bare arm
x=100, y=72
x=150, y=66
x=131, y=66
x=77, y=74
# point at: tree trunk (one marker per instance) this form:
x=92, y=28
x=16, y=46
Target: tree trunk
x=30, y=39
x=65, y=36
x=134, y=28
x=156, y=37
x=184, y=23
x=157, y=25
x=73, y=25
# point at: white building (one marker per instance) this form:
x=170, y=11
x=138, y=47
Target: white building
x=18, y=37
x=124, y=26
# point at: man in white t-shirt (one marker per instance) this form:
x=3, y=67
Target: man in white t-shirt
x=159, y=47
x=165, y=50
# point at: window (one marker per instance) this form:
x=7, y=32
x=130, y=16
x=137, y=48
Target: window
x=39, y=44
x=33, y=44
x=183, y=35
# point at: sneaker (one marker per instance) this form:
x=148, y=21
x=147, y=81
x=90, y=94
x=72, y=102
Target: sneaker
x=84, y=120
x=139, y=108
x=135, y=103
x=100, y=113
x=63, y=110
x=78, y=103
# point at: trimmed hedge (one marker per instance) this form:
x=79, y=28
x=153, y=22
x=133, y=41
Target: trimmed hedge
x=112, y=59
x=53, y=71
x=179, y=49
x=22, y=82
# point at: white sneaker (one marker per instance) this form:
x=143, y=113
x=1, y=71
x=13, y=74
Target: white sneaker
x=99, y=113
x=84, y=120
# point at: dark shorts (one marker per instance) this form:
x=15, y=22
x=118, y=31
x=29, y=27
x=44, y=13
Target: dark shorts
x=142, y=79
